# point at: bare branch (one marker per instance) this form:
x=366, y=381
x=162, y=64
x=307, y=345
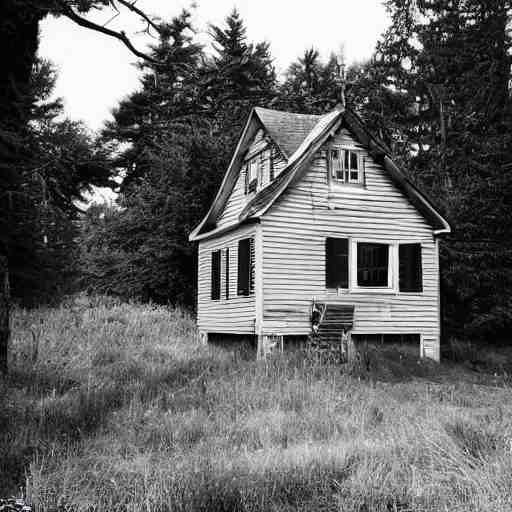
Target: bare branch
x=139, y=12
x=111, y=19
x=65, y=10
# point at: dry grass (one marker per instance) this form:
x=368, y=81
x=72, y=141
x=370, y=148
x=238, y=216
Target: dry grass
x=121, y=409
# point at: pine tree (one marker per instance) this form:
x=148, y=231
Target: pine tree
x=440, y=83
x=241, y=77
x=177, y=136
x=38, y=206
x=142, y=250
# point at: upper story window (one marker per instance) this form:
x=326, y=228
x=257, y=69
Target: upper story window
x=258, y=171
x=252, y=175
x=346, y=165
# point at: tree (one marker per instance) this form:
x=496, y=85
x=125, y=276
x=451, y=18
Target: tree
x=310, y=85
x=241, y=76
x=19, y=23
x=152, y=135
x=440, y=82
x=175, y=137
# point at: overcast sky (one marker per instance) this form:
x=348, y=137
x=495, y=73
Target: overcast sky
x=95, y=71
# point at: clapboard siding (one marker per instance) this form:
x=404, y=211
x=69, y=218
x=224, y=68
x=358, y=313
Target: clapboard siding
x=237, y=313
x=236, y=202
x=238, y=198
x=293, y=238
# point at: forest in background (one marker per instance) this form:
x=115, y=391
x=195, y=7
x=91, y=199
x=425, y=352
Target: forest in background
x=436, y=90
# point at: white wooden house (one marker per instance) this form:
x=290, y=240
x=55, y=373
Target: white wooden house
x=313, y=209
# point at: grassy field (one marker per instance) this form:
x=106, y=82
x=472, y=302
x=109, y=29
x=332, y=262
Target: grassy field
x=113, y=406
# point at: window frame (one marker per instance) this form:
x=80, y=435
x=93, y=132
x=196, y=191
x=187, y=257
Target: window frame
x=252, y=181
x=389, y=272
x=259, y=170
x=392, y=285
x=393, y=266
x=343, y=151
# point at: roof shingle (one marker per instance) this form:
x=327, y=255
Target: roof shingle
x=287, y=129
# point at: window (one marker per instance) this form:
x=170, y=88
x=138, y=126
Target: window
x=264, y=168
x=252, y=175
x=409, y=268
x=226, y=278
x=372, y=264
x=336, y=263
x=246, y=266
x=345, y=165
x=215, y=276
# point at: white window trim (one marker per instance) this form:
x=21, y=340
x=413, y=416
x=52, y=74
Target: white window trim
x=260, y=163
x=360, y=167
x=393, y=267
x=392, y=286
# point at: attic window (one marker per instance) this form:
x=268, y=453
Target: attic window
x=258, y=171
x=252, y=175
x=346, y=165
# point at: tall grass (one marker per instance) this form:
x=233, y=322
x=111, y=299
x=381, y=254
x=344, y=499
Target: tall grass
x=120, y=408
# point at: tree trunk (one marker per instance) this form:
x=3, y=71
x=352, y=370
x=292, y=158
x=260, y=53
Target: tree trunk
x=4, y=313
x=19, y=22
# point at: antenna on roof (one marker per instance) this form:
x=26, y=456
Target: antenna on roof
x=341, y=77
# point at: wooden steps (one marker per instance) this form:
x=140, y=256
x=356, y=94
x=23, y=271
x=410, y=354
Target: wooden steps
x=330, y=333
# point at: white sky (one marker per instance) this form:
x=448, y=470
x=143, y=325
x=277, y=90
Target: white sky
x=96, y=71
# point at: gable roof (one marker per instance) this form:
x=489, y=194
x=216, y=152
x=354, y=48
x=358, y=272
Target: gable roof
x=286, y=129
x=299, y=142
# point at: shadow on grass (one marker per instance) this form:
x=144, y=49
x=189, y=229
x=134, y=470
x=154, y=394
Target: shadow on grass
x=39, y=410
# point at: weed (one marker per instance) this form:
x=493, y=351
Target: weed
x=123, y=409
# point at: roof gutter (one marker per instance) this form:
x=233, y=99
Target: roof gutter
x=221, y=230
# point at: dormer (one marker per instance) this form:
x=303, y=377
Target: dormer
x=258, y=168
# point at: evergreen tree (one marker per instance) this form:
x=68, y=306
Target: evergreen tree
x=177, y=135
x=310, y=85
x=440, y=83
x=142, y=250
x=241, y=77
x=38, y=205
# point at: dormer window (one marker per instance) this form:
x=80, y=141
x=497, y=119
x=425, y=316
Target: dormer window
x=252, y=175
x=346, y=165
x=258, y=171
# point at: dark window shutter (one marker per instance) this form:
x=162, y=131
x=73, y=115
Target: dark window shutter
x=271, y=160
x=252, y=259
x=227, y=273
x=244, y=257
x=215, y=284
x=336, y=263
x=410, y=268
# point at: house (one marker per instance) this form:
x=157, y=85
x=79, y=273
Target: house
x=312, y=209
